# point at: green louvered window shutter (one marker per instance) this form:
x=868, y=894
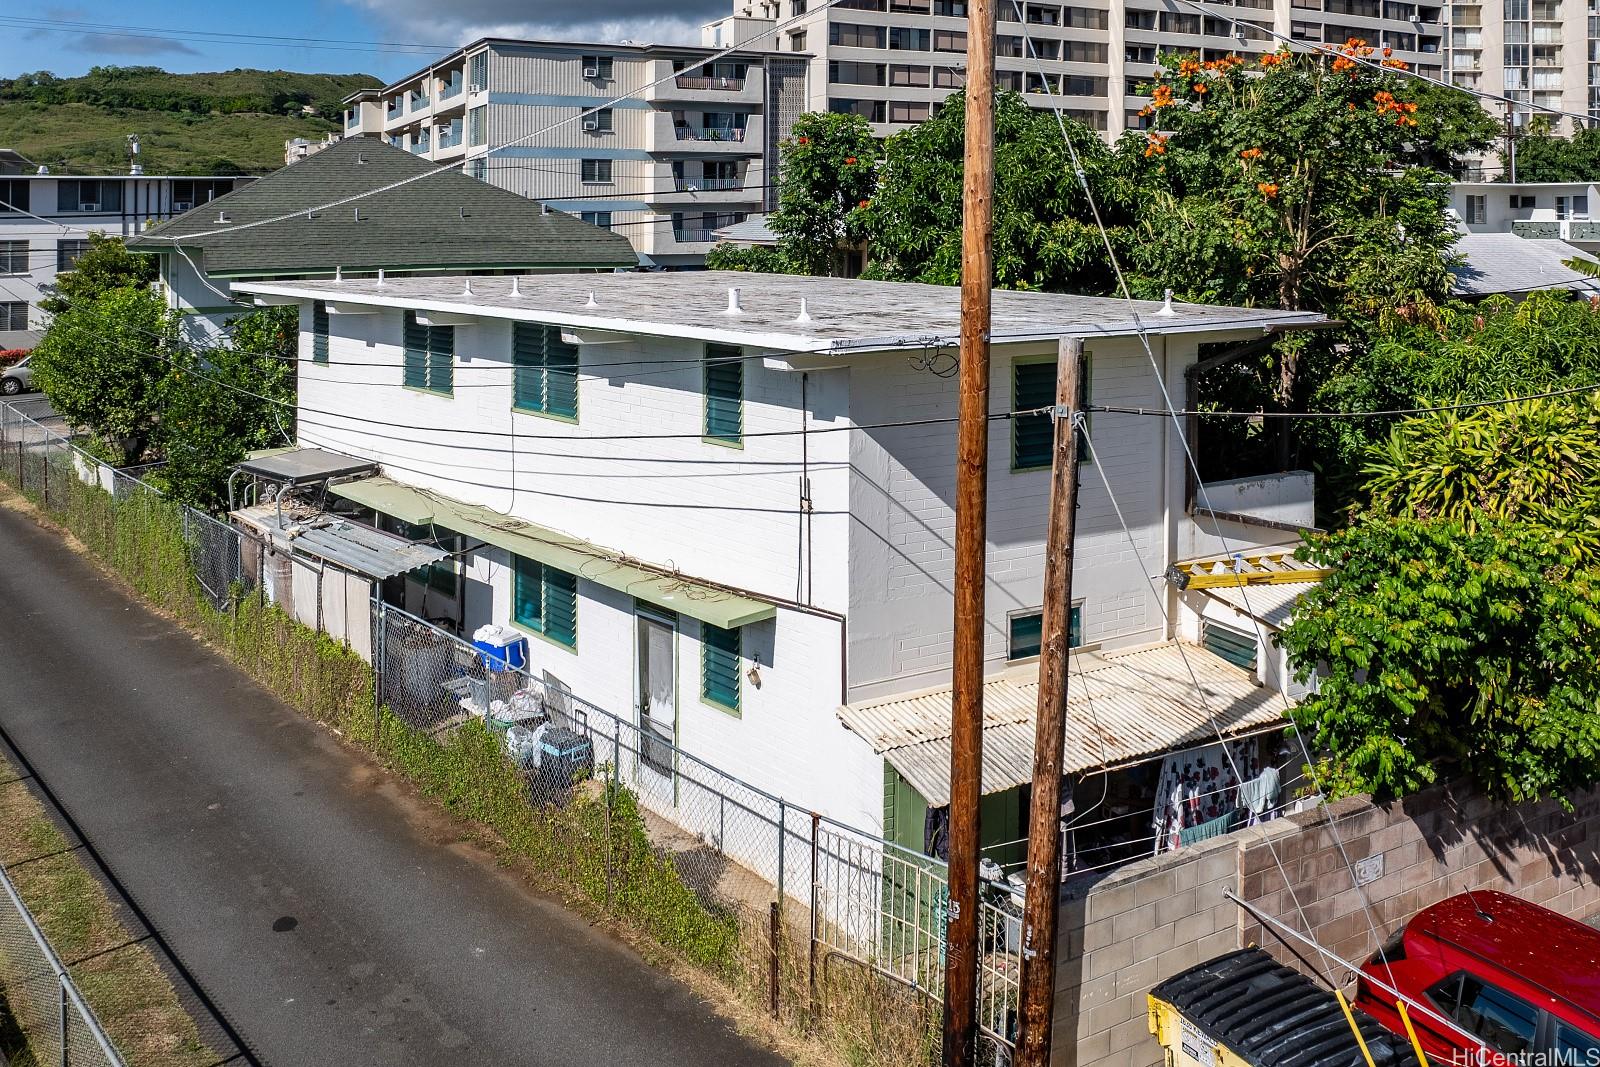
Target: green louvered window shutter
x=319, y=332
x=1237, y=648
x=724, y=393
x=719, y=666
x=1033, y=385
x=416, y=365
x=442, y=359
x=546, y=370
x=545, y=600
x=1027, y=633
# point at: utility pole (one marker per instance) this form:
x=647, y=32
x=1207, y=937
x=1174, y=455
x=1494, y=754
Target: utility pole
x=1040, y=906
x=972, y=502
x=1511, y=140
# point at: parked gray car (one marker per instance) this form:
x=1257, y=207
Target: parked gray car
x=17, y=378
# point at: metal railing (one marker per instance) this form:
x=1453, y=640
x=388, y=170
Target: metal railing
x=740, y=850
x=701, y=81
x=41, y=996
x=709, y=133
x=706, y=185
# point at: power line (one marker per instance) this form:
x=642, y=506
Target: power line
x=1390, y=413
x=583, y=114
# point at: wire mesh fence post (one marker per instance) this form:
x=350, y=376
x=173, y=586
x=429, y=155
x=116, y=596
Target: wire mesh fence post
x=64, y=1004
x=772, y=963
x=611, y=851
x=783, y=834
x=380, y=644
x=816, y=885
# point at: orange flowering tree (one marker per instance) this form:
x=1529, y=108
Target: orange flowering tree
x=827, y=174
x=1298, y=182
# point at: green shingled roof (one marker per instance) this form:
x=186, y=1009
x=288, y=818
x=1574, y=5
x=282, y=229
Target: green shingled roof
x=447, y=221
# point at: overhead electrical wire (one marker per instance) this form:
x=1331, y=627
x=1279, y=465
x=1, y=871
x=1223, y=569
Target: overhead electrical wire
x=739, y=45
x=192, y=36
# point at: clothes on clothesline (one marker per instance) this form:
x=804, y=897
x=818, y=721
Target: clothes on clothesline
x=1259, y=796
x=1214, y=828
x=1198, y=785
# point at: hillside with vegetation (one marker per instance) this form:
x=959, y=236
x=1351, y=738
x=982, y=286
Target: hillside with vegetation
x=228, y=122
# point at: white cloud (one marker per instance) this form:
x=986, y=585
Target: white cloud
x=597, y=21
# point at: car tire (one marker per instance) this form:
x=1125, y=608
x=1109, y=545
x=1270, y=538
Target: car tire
x=10, y=386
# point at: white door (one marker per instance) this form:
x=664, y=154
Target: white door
x=658, y=691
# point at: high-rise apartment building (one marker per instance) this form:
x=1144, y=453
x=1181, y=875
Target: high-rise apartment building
x=894, y=61
x=676, y=146
x=1544, y=53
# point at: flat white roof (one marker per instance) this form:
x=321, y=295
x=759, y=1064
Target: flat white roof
x=782, y=312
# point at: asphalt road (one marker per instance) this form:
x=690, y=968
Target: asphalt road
x=334, y=922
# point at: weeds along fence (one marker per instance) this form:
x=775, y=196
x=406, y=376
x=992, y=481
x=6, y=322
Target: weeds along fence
x=41, y=997
x=828, y=927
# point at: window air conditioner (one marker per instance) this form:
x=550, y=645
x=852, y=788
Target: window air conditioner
x=181, y=205
x=474, y=88
x=591, y=125
x=591, y=72
x=88, y=207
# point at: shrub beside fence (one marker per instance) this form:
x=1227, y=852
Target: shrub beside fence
x=830, y=929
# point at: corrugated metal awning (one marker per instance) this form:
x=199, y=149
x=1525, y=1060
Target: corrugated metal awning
x=1121, y=706
x=343, y=543
x=658, y=586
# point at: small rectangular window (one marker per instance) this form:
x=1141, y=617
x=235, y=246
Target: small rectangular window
x=319, y=332
x=429, y=356
x=1477, y=209
x=596, y=171
x=545, y=600
x=1235, y=646
x=601, y=219
x=545, y=370
x=602, y=66
x=1033, y=385
x=14, y=315
x=14, y=195
x=720, y=666
x=478, y=126
x=1026, y=632
x=605, y=120
x=478, y=71
x=67, y=253
x=13, y=257
x=724, y=420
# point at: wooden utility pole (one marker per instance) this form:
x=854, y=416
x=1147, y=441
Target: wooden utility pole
x=972, y=502
x=1039, y=908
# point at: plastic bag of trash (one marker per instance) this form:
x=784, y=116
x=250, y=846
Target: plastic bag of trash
x=522, y=744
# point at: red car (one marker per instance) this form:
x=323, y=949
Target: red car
x=1521, y=978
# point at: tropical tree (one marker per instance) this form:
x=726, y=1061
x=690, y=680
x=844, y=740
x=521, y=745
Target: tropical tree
x=1442, y=650
x=1045, y=236
x=106, y=265
x=827, y=177
x=221, y=403
x=1544, y=157
x=101, y=363
x=1463, y=353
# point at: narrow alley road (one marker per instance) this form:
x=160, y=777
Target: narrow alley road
x=335, y=924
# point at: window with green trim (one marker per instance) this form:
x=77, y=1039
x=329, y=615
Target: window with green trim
x=1026, y=636
x=545, y=374
x=724, y=394
x=430, y=356
x=1033, y=385
x=319, y=332
x=720, y=666
x=545, y=600
x=1235, y=646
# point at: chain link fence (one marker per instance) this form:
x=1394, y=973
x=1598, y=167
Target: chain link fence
x=41, y=996
x=774, y=873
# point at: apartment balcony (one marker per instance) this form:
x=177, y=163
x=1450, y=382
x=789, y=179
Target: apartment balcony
x=689, y=88
x=694, y=137
x=719, y=193
x=694, y=235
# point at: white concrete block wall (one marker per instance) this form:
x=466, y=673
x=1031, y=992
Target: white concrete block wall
x=902, y=539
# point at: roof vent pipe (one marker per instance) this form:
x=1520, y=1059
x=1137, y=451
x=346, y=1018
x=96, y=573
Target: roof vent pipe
x=515, y=290
x=591, y=303
x=733, y=301
x=380, y=276
x=466, y=290
x=338, y=274
x=222, y=216
x=804, y=316
x=1166, y=304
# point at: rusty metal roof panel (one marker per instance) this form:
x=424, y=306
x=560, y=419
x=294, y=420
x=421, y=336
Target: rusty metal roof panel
x=1121, y=706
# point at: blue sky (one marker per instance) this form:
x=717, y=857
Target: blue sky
x=70, y=36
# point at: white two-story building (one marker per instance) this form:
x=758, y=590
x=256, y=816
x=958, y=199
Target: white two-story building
x=722, y=504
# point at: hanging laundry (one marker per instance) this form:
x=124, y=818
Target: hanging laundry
x=1198, y=785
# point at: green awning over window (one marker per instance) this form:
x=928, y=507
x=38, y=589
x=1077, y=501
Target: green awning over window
x=674, y=592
